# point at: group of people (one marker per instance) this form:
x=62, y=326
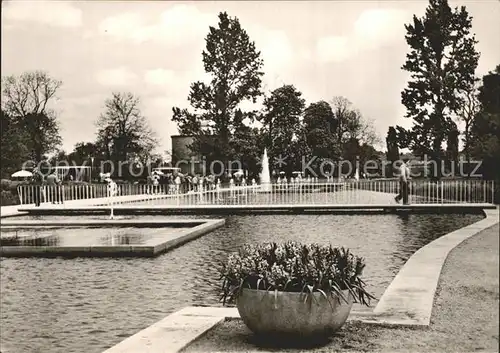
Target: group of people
x=52, y=193
x=179, y=183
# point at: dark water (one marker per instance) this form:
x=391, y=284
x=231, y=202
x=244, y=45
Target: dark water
x=87, y=305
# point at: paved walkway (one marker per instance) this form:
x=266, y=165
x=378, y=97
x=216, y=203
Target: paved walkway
x=7, y=211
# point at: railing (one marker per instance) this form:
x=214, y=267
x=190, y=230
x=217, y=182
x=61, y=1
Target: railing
x=303, y=192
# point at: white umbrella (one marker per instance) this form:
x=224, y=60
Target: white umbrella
x=239, y=173
x=22, y=174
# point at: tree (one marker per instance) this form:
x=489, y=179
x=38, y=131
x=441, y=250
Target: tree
x=467, y=112
x=452, y=147
x=83, y=152
x=281, y=119
x=123, y=132
x=485, y=144
x=392, y=148
x=247, y=144
x=442, y=61
x=28, y=93
x=26, y=98
x=235, y=66
x=43, y=134
x=13, y=145
x=319, y=130
x=349, y=123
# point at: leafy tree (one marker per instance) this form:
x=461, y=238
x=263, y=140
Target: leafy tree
x=442, y=61
x=83, y=152
x=467, y=111
x=26, y=98
x=349, y=123
x=299, y=152
x=452, y=147
x=43, y=134
x=319, y=130
x=13, y=145
x=485, y=144
x=281, y=119
x=247, y=144
x=392, y=148
x=235, y=66
x=351, y=152
x=123, y=132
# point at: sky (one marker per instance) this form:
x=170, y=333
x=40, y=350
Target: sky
x=153, y=49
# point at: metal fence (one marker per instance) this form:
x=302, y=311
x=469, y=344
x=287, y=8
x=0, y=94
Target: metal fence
x=289, y=193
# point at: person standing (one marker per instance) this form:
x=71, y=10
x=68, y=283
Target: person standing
x=51, y=186
x=156, y=182
x=37, y=181
x=404, y=177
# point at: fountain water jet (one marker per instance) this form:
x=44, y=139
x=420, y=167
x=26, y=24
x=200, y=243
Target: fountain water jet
x=265, y=176
x=112, y=191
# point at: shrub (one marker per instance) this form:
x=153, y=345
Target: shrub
x=8, y=199
x=294, y=267
x=5, y=184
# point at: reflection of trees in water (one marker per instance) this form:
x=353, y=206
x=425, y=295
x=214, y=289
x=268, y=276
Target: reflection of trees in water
x=418, y=230
x=123, y=239
x=36, y=237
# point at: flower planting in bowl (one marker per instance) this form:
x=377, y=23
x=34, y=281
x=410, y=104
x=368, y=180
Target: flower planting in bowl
x=293, y=289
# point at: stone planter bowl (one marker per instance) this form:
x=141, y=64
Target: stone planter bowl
x=286, y=314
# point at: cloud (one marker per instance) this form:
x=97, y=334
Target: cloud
x=275, y=47
x=120, y=76
x=123, y=25
x=160, y=77
x=177, y=25
x=380, y=26
x=51, y=13
x=372, y=29
x=334, y=48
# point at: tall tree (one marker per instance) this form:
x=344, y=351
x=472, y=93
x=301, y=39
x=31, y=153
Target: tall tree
x=466, y=113
x=485, y=131
x=13, y=150
x=452, y=147
x=320, y=132
x=234, y=64
x=281, y=119
x=442, y=61
x=123, y=132
x=349, y=123
x=26, y=98
x=43, y=134
x=392, y=149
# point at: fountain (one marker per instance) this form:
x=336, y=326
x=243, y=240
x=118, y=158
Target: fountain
x=265, y=176
x=112, y=192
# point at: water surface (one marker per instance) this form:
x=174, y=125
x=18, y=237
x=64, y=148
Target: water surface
x=89, y=304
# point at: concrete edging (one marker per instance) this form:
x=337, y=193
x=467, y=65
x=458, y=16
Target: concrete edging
x=261, y=209
x=407, y=301
x=409, y=298
x=150, y=250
